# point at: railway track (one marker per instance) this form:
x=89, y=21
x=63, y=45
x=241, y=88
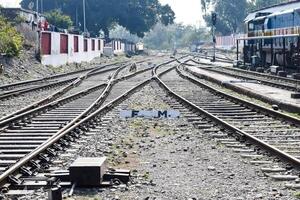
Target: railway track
x=65, y=90
x=219, y=57
x=28, y=141
x=76, y=85
x=9, y=91
x=266, y=79
x=220, y=115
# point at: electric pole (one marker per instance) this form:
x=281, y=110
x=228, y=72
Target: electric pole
x=84, y=22
x=42, y=6
x=214, y=22
x=37, y=6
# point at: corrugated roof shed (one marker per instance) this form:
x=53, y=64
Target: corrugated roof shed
x=275, y=8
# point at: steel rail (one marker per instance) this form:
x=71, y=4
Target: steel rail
x=290, y=80
x=60, y=92
x=261, y=80
x=34, y=88
x=241, y=134
x=55, y=95
x=22, y=115
x=66, y=130
x=274, y=113
x=218, y=59
x=6, y=86
x=50, y=105
x=282, y=105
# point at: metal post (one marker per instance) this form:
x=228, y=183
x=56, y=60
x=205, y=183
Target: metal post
x=214, y=41
x=237, y=50
x=76, y=17
x=284, y=56
x=298, y=49
x=244, y=52
x=272, y=51
x=42, y=6
x=84, y=22
x=37, y=6
x=261, y=51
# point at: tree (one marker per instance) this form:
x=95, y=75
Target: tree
x=120, y=32
x=47, y=5
x=231, y=14
x=56, y=18
x=11, y=42
x=137, y=16
x=183, y=36
x=259, y=4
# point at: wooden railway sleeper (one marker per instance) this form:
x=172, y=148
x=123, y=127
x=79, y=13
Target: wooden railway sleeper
x=35, y=164
x=69, y=138
x=26, y=171
x=14, y=180
x=77, y=131
x=51, y=152
x=84, y=128
x=64, y=143
x=57, y=147
x=74, y=134
x=44, y=158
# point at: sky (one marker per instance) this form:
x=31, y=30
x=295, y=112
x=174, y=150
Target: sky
x=10, y=3
x=187, y=12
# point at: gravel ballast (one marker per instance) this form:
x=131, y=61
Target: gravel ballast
x=170, y=159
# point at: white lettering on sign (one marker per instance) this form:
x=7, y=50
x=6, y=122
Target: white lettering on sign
x=149, y=113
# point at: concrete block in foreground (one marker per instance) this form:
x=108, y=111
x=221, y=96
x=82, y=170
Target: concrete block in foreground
x=87, y=172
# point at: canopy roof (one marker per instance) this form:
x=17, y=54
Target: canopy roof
x=275, y=9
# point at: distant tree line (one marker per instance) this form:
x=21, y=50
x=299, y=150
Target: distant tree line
x=174, y=36
x=231, y=13
x=163, y=37
x=137, y=16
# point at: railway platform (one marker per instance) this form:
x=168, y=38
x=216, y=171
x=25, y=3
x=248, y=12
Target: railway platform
x=280, y=97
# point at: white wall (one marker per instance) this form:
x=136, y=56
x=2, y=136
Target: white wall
x=119, y=47
x=57, y=59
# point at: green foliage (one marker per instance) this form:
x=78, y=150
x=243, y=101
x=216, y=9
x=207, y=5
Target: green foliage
x=58, y=19
x=120, y=32
x=137, y=16
x=297, y=195
x=182, y=36
x=259, y=4
x=230, y=14
x=11, y=41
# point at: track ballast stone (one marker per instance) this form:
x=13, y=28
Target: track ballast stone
x=171, y=159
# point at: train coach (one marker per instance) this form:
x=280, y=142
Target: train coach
x=119, y=47
x=273, y=35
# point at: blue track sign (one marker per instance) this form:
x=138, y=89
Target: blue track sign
x=149, y=114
